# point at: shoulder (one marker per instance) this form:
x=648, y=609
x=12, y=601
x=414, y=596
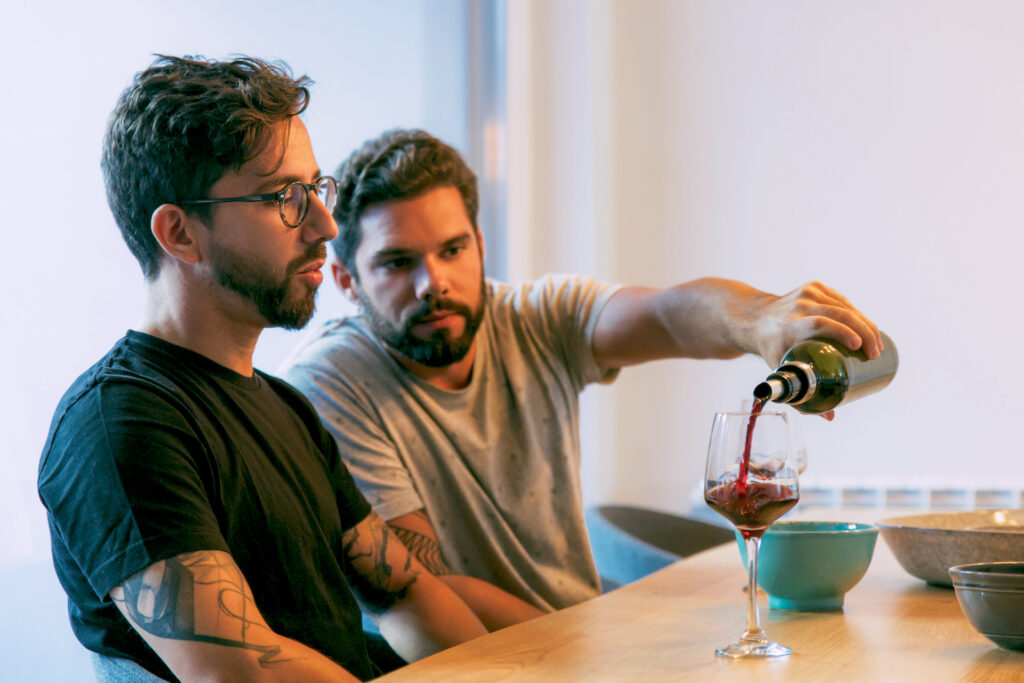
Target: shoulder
x=554, y=294
x=299, y=405
x=126, y=370
x=339, y=342
x=143, y=387
x=339, y=362
x=296, y=401
x=130, y=401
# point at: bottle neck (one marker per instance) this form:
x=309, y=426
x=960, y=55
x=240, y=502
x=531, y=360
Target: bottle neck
x=770, y=389
x=792, y=383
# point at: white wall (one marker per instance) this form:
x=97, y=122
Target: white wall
x=877, y=146
x=71, y=285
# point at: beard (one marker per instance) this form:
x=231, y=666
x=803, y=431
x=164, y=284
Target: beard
x=438, y=350
x=257, y=282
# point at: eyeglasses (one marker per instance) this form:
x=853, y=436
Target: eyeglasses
x=292, y=201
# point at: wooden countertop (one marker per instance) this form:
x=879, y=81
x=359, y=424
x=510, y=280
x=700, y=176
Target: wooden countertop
x=666, y=627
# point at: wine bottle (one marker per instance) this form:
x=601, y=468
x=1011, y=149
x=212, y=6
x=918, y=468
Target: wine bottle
x=817, y=375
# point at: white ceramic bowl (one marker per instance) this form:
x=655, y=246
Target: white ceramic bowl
x=928, y=545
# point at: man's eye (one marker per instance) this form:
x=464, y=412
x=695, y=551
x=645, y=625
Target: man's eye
x=396, y=263
x=453, y=251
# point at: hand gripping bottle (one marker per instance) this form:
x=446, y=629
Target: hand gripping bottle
x=817, y=375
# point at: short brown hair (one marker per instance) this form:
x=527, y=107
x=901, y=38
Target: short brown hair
x=396, y=165
x=179, y=126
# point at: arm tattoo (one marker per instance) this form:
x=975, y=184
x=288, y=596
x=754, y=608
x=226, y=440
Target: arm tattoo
x=162, y=600
x=426, y=549
x=372, y=576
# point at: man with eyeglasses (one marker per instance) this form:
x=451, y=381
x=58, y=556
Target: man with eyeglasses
x=202, y=522
x=454, y=398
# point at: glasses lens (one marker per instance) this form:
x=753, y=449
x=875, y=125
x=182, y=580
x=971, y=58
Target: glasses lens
x=293, y=204
x=327, y=191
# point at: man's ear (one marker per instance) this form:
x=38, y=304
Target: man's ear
x=345, y=281
x=173, y=230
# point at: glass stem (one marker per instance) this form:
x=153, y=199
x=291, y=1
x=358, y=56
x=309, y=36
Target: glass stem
x=753, y=631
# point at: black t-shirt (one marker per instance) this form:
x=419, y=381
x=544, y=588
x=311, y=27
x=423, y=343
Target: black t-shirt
x=157, y=451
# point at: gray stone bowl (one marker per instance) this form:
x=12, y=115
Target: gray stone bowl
x=928, y=545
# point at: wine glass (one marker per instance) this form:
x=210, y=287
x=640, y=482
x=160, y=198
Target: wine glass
x=751, y=480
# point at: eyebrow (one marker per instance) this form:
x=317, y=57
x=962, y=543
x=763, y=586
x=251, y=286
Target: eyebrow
x=277, y=183
x=384, y=254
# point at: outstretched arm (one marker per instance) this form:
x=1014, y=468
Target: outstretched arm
x=714, y=318
x=416, y=612
x=495, y=607
x=197, y=613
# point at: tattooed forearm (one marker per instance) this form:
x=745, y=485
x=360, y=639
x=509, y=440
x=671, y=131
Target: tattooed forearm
x=371, y=549
x=426, y=549
x=167, y=600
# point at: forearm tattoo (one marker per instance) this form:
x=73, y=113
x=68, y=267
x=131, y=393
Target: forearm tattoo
x=367, y=547
x=164, y=600
x=426, y=549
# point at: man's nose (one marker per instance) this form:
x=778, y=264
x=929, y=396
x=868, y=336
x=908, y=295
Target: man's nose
x=431, y=279
x=319, y=225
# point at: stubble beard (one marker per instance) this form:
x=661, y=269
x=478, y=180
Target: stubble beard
x=255, y=282
x=438, y=350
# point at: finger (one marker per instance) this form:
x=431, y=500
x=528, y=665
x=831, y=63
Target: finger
x=833, y=294
x=847, y=328
x=871, y=337
x=867, y=330
x=824, y=305
x=817, y=293
x=855, y=330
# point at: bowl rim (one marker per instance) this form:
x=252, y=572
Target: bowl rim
x=779, y=527
x=897, y=522
x=974, y=568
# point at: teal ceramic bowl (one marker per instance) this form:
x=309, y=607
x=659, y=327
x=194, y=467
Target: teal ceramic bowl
x=991, y=594
x=809, y=566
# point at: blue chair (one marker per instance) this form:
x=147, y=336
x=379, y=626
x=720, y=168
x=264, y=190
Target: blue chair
x=383, y=657
x=119, y=670
x=632, y=542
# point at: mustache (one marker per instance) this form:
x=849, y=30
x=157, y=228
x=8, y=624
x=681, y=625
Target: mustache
x=432, y=306
x=317, y=252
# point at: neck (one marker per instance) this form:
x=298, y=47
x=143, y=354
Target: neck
x=450, y=377
x=190, y=317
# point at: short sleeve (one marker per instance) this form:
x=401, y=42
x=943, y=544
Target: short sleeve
x=562, y=311
x=121, y=485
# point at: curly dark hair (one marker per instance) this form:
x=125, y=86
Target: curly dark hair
x=179, y=126
x=397, y=164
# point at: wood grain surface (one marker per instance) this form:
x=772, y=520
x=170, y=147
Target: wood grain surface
x=665, y=627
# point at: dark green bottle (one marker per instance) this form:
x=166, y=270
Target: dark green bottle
x=817, y=375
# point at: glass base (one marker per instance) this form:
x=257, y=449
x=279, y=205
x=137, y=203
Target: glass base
x=761, y=648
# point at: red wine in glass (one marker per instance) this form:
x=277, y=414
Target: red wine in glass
x=753, y=510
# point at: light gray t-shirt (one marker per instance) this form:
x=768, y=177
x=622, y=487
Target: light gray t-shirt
x=496, y=464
